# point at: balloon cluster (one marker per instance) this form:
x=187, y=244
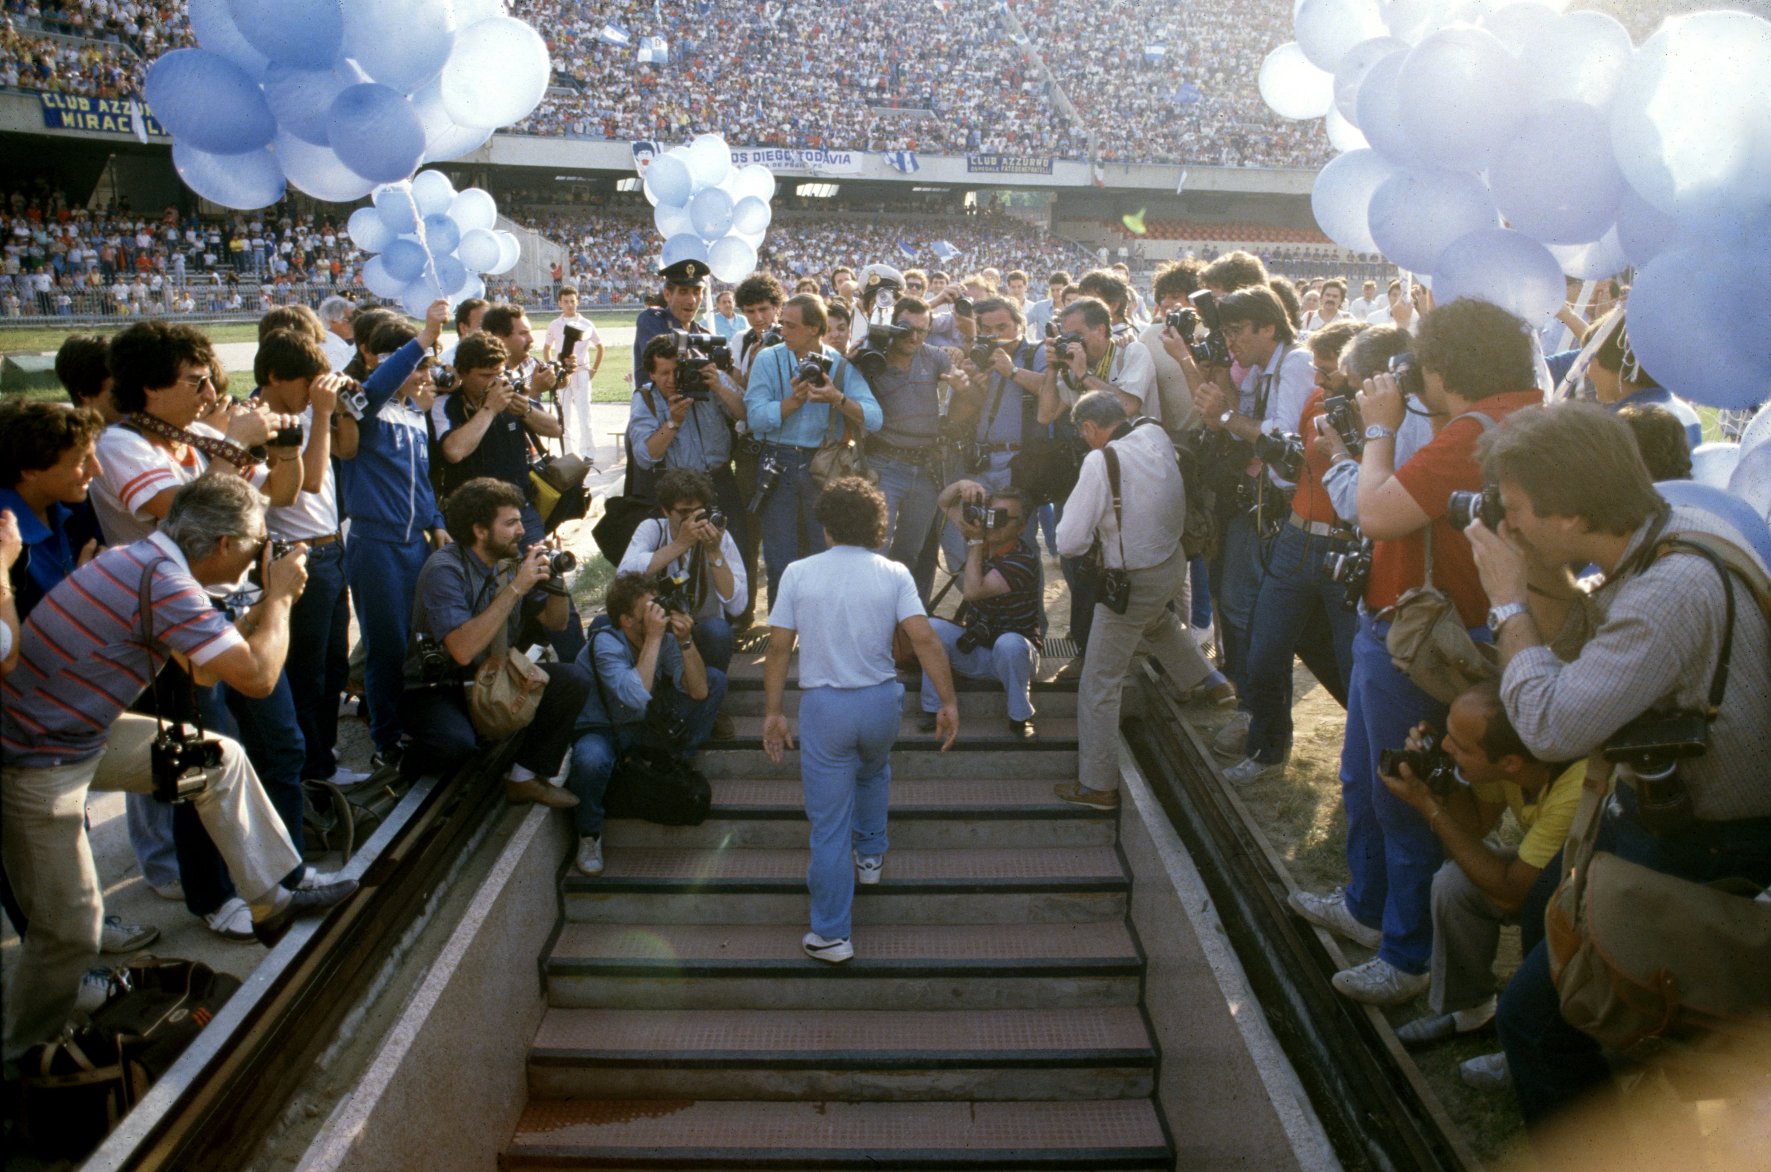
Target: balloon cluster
x=338, y=96
x=430, y=241
x=1497, y=145
x=708, y=210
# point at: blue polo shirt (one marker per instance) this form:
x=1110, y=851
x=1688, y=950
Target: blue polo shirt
x=51, y=550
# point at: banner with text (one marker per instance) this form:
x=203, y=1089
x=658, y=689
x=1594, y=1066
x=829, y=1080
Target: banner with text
x=1009, y=164
x=116, y=115
x=816, y=162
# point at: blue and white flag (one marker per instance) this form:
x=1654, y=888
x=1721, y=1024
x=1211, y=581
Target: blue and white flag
x=1155, y=52
x=909, y=252
x=614, y=34
x=654, y=51
x=904, y=161
x=944, y=250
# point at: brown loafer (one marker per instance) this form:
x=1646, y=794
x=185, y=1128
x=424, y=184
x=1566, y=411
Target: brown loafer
x=538, y=791
x=1078, y=794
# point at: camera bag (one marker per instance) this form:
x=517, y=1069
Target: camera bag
x=506, y=689
x=623, y=514
x=649, y=782
x=557, y=485
x=841, y=453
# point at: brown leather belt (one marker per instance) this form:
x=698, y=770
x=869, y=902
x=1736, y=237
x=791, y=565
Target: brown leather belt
x=879, y=447
x=317, y=542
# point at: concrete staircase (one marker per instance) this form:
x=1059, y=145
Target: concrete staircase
x=991, y=1017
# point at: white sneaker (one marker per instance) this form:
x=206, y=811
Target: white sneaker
x=1250, y=770
x=342, y=777
x=1489, y=1072
x=116, y=936
x=95, y=990
x=1203, y=636
x=828, y=951
x=312, y=878
x=868, y=868
x=1231, y=741
x=590, y=855
x=1378, y=982
x=232, y=920
x=1330, y=911
x=172, y=892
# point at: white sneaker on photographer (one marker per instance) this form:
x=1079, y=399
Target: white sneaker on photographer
x=1231, y=741
x=232, y=921
x=590, y=855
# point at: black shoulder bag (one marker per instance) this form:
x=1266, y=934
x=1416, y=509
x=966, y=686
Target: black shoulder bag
x=652, y=783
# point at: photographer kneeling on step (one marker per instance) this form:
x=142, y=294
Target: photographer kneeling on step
x=473, y=596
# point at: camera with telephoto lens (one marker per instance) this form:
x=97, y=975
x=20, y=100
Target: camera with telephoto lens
x=1349, y=567
x=353, y=399
x=695, y=353
x=570, y=336
x=1214, y=348
x=1430, y=763
x=1344, y=418
x=768, y=475
x=814, y=368
x=278, y=549
x=673, y=595
x=178, y=760
x=1282, y=452
x=1650, y=747
x=870, y=357
x=1407, y=374
x=1464, y=509
x=963, y=307
x=444, y=379
x=983, y=516
x=561, y=562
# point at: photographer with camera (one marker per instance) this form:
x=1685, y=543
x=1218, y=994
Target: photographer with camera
x=801, y=393
x=579, y=365
x=1126, y=515
x=1113, y=291
x=1084, y=357
x=1461, y=783
x=472, y=600
x=682, y=416
x=684, y=283
x=63, y=730
x=649, y=687
x=1039, y=314
x=1172, y=406
x=1691, y=798
x=998, y=631
x=691, y=545
x=1471, y=368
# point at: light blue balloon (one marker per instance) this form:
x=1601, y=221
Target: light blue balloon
x=1593, y=261
x=478, y=250
x=399, y=43
x=213, y=24
x=1581, y=56
x=305, y=33
x=441, y=235
x=751, y=215
x=1380, y=113
x=688, y=246
x=244, y=181
x=395, y=206
x=317, y=171
x=1355, y=64
x=671, y=220
x=1643, y=229
x=301, y=99
x=376, y=132
x=367, y=231
x=711, y=213
x=474, y=207
x=669, y=179
x=1460, y=94
x=1415, y=215
x=1504, y=268
x=404, y=259
x=731, y=258
x=433, y=193
x=1713, y=463
x=451, y=274
x=1341, y=198
x=1698, y=321
x=1327, y=29
x=207, y=101
x=379, y=281
x=418, y=295
x=1555, y=180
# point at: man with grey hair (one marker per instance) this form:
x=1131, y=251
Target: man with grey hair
x=335, y=315
x=63, y=730
x=1127, y=511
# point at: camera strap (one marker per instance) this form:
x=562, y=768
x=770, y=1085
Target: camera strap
x=145, y=594
x=1112, y=459
x=1700, y=544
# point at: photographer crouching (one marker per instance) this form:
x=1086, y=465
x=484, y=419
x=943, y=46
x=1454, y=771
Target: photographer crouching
x=997, y=635
x=64, y=731
x=649, y=686
x=691, y=549
x=473, y=596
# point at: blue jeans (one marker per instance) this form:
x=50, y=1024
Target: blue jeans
x=790, y=531
x=596, y=750
x=1010, y=661
x=1199, y=575
x=1298, y=606
x=568, y=641
x=845, y=741
x=1391, y=854
x=383, y=577
x=150, y=834
x=714, y=640
x=1554, y=1065
x=319, y=653
x=910, y=491
x=269, y=733
x=1234, y=589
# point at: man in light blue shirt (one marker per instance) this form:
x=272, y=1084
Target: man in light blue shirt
x=791, y=417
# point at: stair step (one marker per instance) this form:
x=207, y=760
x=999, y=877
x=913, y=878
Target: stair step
x=741, y=886
x=644, y=1133
x=955, y=812
x=926, y=966
x=979, y=704
x=920, y=760
x=983, y=734
x=1097, y=1053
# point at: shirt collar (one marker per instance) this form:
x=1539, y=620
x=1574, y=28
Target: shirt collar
x=31, y=530
x=169, y=548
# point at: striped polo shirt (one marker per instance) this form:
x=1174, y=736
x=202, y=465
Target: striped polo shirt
x=82, y=657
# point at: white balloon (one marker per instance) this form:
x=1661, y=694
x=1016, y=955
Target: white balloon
x=319, y=171
x=1343, y=135
x=1355, y=64
x=1461, y=94
x=367, y=231
x=1292, y=86
x=668, y=180
x=1410, y=20
x=244, y=181
x=1595, y=261
x=1341, y=198
x=1713, y=463
x=710, y=160
x=731, y=259
x=509, y=252
x=444, y=139
x=1504, y=268
x=1519, y=26
x=474, y=207
x=1326, y=29
x=479, y=249
x=1581, y=56
x=399, y=43
x=433, y=192
x=751, y=216
x=471, y=12
x=497, y=76
x=671, y=220
x=379, y=281
x=710, y=212
x=756, y=180
x=688, y=246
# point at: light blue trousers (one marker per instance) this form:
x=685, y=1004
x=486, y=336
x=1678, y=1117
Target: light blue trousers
x=845, y=741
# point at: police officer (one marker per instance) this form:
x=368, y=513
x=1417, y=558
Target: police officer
x=683, y=283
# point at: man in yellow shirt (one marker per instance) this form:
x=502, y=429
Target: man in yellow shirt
x=1478, y=888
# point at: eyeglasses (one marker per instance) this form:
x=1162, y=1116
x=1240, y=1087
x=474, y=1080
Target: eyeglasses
x=919, y=331
x=258, y=543
x=915, y=286
x=197, y=381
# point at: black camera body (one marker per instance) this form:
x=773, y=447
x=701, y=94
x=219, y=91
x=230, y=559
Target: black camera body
x=769, y=337
x=1430, y=763
x=1283, y=453
x=974, y=636
x=444, y=379
x=962, y=307
x=278, y=549
x=560, y=562
x=814, y=368
x=1464, y=509
x=1065, y=342
x=870, y=357
x=1407, y=374
x=1350, y=568
x=435, y=665
x=284, y=437
x=1214, y=348
x=695, y=353
x=1344, y=418
x=673, y=595
x=664, y=720
x=768, y=475
x=713, y=515
x=1651, y=747
x=983, y=516
x=983, y=349
x=178, y=760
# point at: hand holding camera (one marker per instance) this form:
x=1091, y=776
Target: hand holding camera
x=1328, y=441
x=1421, y=772
x=656, y=621
x=709, y=528
x=535, y=568
x=1500, y=563
x=499, y=396
x=680, y=624
x=322, y=392
x=1381, y=403
x=282, y=569
x=678, y=406
x=543, y=380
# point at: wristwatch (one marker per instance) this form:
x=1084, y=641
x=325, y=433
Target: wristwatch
x=1378, y=431
x=1498, y=615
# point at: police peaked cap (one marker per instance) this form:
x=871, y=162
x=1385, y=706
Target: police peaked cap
x=685, y=272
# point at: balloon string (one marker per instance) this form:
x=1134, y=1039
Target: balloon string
x=430, y=262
